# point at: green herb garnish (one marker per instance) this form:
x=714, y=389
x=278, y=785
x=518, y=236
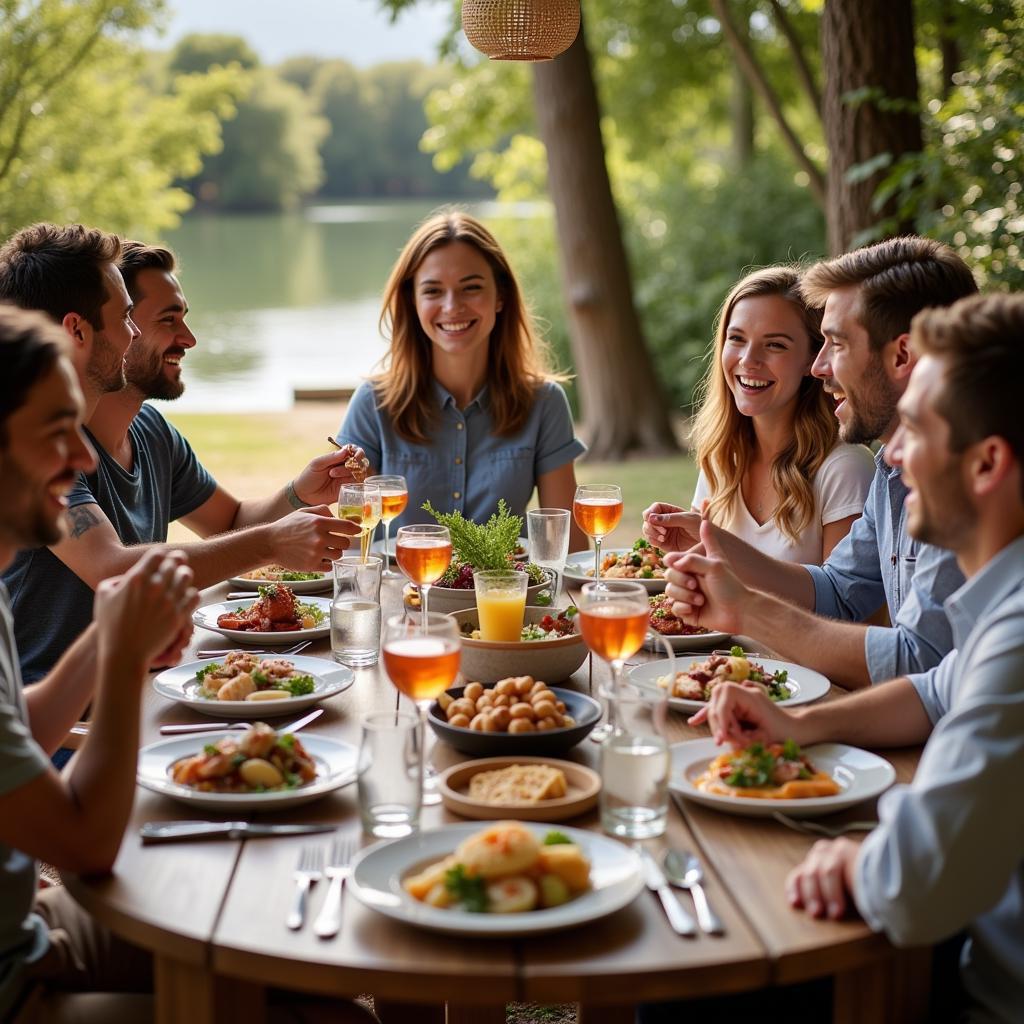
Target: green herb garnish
x=488, y=546
x=754, y=767
x=206, y=670
x=209, y=748
x=300, y=577
x=736, y=652
x=557, y=839
x=315, y=611
x=469, y=892
x=790, y=751
x=260, y=678
x=287, y=741
x=298, y=686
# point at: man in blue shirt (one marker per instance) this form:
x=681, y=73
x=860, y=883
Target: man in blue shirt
x=146, y=474
x=870, y=296
x=949, y=850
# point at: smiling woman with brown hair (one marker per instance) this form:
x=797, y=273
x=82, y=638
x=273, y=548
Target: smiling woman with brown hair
x=466, y=407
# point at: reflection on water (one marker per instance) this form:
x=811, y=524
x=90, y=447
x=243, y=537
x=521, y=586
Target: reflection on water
x=287, y=300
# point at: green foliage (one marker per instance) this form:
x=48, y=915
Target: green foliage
x=484, y=546
x=88, y=130
x=198, y=52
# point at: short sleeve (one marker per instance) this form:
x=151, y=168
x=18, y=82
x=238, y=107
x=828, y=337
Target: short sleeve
x=557, y=443
x=843, y=481
x=191, y=482
x=701, y=492
x=361, y=426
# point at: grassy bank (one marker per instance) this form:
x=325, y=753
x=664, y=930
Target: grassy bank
x=254, y=454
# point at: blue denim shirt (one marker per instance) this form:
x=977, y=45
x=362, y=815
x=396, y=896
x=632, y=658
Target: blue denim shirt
x=949, y=852
x=878, y=561
x=466, y=466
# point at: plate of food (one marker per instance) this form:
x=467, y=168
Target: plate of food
x=763, y=779
x=641, y=563
x=298, y=582
x=524, y=788
x=783, y=682
x=255, y=770
x=275, y=617
x=247, y=685
x=681, y=636
x=518, y=715
x=508, y=879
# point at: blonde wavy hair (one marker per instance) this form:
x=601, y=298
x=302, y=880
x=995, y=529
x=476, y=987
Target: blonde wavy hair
x=724, y=439
x=518, y=360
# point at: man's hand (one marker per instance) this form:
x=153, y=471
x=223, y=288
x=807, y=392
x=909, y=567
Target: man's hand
x=320, y=481
x=670, y=527
x=822, y=885
x=305, y=539
x=741, y=715
x=703, y=588
x=144, y=613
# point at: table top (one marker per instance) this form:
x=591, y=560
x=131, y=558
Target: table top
x=222, y=904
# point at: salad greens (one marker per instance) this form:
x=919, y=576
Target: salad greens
x=468, y=891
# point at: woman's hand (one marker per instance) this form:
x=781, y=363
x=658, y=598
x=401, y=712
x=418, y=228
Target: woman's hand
x=671, y=527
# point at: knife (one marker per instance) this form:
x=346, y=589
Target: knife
x=172, y=831
x=175, y=730
x=654, y=877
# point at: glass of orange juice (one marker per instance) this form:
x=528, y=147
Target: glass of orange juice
x=501, y=602
x=394, y=496
x=597, y=509
x=422, y=660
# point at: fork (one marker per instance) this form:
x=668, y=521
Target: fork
x=812, y=828
x=210, y=653
x=339, y=867
x=307, y=874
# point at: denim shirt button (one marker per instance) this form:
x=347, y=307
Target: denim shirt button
x=459, y=426
x=458, y=460
x=456, y=495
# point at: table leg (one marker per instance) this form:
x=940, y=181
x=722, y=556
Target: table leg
x=186, y=994
x=890, y=991
x=587, y=1013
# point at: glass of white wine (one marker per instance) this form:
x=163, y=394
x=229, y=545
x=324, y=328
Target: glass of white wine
x=394, y=496
x=361, y=504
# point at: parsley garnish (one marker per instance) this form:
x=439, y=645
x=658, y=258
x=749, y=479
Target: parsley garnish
x=206, y=670
x=736, y=652
x=315, y=611
x=209, y=748
x=754, y=767
x=298, y=685
x=557, y=839
x=287, y=741
x=469, y=892
x=260, y=678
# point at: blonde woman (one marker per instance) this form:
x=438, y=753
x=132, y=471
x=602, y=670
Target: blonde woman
x=772, y=468
x=466, y=407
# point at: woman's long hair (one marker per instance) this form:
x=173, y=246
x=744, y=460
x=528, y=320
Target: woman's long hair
x=724, y=439
x=517, y=358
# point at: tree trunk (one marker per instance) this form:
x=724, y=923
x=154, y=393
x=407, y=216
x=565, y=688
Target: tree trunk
x=623, y=408
x=741, y=108
x=867, y=48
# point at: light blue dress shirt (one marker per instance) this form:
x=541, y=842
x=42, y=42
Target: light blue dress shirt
x=949, y=852
x=879, y=562
x=466, y=466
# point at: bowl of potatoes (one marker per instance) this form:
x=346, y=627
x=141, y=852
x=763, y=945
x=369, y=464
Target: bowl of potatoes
x=517, y=715
x=554, y=658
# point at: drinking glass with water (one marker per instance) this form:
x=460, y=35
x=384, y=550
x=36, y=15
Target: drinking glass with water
x=355, y=610
x=548, y=531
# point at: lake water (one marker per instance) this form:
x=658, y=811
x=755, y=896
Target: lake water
x=291, y=300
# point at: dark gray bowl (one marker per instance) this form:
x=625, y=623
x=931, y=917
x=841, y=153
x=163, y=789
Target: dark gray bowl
x=584, y=709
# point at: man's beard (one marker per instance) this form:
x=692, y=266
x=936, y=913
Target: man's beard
x=147, y=376
x=106, y=366
x=29, y=526
x=946, y=527
x=872, y=406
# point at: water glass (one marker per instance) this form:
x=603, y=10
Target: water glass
x=501, y=602
x=548, y=530
x=355, y=610
x=389, y=773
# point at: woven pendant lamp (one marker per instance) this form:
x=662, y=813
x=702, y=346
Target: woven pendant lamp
x=521, y=29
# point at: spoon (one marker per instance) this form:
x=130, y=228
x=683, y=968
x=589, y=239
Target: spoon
x=683, y=869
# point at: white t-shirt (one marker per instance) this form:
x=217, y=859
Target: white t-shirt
x=840, y=488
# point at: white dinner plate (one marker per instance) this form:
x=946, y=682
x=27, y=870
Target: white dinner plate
x=208, y=614
x=180, y=684
x=579, y=568
x=335, y=766
x=376, y=881
x=860, y=774
x=689, y=642
x=805, y=685
x=317, y=586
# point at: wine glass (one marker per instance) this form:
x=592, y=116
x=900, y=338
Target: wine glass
x=597, y=509
x=394, y=496
x=424, y=551
x=361, y=504
x=422, y=661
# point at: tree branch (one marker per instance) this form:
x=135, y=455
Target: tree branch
x=760, y=84
x=803, y=69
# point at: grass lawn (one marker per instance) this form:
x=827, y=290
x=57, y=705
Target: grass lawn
x=254, y=454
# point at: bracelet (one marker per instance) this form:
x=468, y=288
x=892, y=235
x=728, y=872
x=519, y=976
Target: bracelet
x=293, y=499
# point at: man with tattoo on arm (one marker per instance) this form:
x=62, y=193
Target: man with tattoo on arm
x=147, y=474
x=870, y=296
x=949, y=851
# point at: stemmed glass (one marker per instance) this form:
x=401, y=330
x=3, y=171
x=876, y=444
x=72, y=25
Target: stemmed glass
x=394, y=496
x=424, y=551
x=597, y=509
x=361, y=504
x=422, y=661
